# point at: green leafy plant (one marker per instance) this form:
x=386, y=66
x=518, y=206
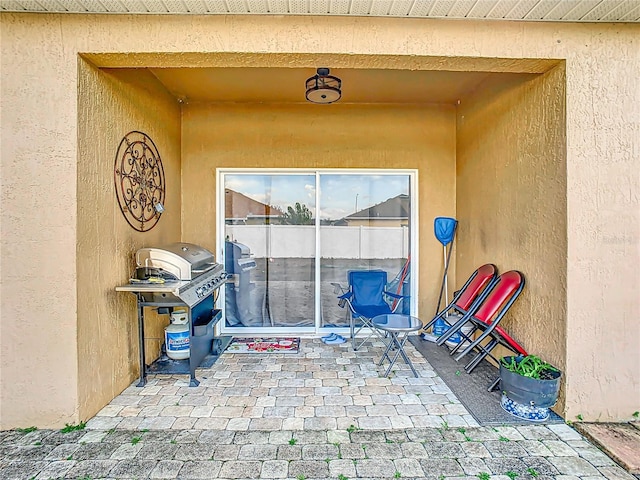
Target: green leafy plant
x=511, y=474
x=301, y=477
x=636, y=414
x=135, y=440
x=70, y=457
x=292, y=441
x=397, y=474
x=483, y=476
x=533, y=472
x=68, y=427
x=342, y=477
x=352, y=428
x=503, y=439
x=27, y=429
x=530, y=366
x=579, y=417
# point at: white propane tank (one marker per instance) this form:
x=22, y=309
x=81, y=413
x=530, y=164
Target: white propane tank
x=176, y=336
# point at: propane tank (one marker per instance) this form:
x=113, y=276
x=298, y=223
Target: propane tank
x=176, y=335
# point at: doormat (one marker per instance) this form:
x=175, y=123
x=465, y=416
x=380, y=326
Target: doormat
x=264, y=345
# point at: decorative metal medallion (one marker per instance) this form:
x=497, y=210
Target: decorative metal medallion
x=139, y=180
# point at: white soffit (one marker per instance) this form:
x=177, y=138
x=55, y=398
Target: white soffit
x=522, y=10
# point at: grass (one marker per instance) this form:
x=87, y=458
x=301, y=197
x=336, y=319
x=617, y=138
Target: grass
x=504, y=439
x=533, y=472
x=27, y=429
x=68, y=427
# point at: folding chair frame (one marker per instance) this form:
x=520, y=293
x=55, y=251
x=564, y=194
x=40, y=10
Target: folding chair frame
x=489, y=275
x=488, y=326
x=346, y=299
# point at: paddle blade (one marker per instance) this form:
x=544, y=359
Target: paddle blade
x=444, y=229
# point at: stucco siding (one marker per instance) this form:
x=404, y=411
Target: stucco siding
x=346, y=136
x=511, y=191
x=111, y=104
x=44, y=327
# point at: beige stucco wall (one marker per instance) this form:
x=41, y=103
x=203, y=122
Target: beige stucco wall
x=511, y=154
x=41, y=282
x=342, y=136
x=111, y=104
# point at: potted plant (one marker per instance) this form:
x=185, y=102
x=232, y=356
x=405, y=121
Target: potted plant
x=529, y=386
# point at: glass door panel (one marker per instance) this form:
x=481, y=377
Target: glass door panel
x=365, y=222
x=270, y=250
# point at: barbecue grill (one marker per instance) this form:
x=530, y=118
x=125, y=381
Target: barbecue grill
x=180, y=274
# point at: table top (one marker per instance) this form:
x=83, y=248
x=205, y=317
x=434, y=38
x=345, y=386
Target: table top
x=396, y=322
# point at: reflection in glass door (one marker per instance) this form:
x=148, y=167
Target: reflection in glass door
x=270, y=250
x=290, y=236
x=365, y=222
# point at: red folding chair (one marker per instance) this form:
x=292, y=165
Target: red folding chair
x=470, y=295
x=503, y=293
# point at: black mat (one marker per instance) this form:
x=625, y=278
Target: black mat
x=471, y=389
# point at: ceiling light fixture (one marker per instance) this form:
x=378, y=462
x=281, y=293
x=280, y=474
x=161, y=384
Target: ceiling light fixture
x=323, y=88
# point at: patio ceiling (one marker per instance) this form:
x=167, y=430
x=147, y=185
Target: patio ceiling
x=527, y=10
x=359, y=86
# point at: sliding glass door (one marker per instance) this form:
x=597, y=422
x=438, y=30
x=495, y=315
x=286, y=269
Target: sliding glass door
x=289, y=239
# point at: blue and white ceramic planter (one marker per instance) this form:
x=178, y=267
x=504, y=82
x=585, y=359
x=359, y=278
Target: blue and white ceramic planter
x=524, y=412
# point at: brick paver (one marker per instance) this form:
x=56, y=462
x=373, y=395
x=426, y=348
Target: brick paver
x=326, y=413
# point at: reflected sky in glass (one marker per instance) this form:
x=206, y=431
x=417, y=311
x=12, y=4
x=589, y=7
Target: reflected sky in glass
x=341, y=194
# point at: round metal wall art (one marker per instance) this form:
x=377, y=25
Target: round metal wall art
x=139, y=181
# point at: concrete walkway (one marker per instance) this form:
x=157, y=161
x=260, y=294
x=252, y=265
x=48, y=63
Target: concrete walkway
x=503, y=453
x=325, y=413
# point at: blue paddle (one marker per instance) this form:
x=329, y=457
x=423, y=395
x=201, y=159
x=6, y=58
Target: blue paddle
x=445, y=230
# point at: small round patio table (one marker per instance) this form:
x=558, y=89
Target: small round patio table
x=398, y=326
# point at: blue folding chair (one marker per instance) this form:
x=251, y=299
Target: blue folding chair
x=366, y=298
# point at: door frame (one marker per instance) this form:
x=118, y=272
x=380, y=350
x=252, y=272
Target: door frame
x=316, y=329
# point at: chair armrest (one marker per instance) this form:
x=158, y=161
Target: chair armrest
x=395, y=295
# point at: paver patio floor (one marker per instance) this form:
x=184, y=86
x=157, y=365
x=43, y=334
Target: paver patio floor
x=325, y=413
x=322, y=387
